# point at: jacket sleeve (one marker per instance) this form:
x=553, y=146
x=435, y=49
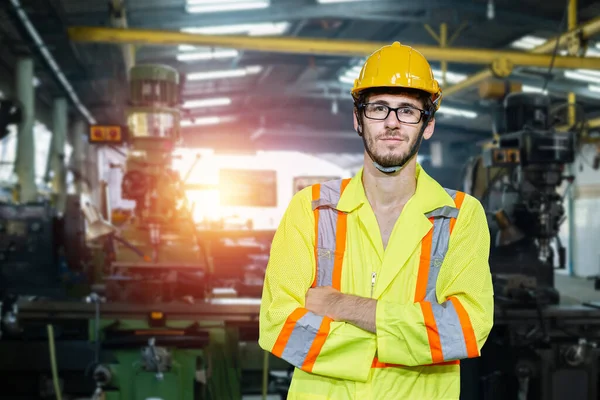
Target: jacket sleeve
x=457, y=325
x=313, y=343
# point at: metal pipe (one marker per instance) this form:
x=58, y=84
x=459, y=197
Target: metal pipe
x=318, y=46
x=25, y=163
x=467, y=83
x=587, y=30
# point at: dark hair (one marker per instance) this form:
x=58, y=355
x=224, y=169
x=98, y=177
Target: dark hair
x=423, y=96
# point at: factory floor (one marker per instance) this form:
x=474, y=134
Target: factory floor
x=575, y=290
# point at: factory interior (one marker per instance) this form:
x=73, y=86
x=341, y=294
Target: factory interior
x=149, y=150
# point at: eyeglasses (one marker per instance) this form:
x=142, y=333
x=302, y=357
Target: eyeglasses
x=406, y=114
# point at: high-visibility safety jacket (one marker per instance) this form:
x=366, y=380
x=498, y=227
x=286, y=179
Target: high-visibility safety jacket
x=432, y=284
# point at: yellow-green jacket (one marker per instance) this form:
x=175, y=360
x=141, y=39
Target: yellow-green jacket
x=432, y=284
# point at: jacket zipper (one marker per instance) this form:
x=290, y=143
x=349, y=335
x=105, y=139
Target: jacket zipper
x=373, y=276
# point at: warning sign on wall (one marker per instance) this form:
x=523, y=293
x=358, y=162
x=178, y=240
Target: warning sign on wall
x=112, y=134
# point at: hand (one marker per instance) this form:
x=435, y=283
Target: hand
x=322, y=300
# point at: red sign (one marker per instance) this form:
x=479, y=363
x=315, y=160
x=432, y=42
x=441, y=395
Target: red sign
x=106, y=134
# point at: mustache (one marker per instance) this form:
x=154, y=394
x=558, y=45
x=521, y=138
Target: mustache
x=393, y=133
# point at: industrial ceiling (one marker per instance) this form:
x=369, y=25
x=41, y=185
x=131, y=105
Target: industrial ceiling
x=238, y=98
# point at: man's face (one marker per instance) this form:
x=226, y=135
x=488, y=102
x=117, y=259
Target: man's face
x=390, y=142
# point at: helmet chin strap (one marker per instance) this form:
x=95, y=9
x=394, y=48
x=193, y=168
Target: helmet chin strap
x=387, y=170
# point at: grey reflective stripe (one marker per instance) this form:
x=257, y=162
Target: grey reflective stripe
x=321, y=203
x=329, y=195
x=445, y=211
x=439, y=247
x=448, y=324
x=326, y=242
x=301, y=339
x=451, y=193
x=451, y=334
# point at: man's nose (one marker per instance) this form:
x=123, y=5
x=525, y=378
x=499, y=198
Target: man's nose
x=392, y=120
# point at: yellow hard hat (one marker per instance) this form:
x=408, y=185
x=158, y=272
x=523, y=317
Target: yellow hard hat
x=398, y=65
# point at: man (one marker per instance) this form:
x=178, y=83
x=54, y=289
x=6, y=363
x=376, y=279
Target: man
x=377, y=286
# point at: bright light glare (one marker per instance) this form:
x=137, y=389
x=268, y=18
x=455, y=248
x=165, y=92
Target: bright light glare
x=222, y=101
x=581, y=76
x=594, y=88
x=337, y=1
x=527, y=42
x=457, y=112
x=451, y=77
x=195, y=7
x=231, y=73
x=533, y=89
x=258, y=29
x=207, y=55
x=201, y=121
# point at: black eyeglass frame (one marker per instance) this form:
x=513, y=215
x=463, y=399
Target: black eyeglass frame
x=363, y=106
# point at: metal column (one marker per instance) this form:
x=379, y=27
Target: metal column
x=56, y=156
x=572, y=112
x=25, y=163
x=79, y=155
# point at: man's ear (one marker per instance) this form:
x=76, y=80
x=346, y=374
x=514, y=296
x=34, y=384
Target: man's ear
x=428, y=132
x=357, y=125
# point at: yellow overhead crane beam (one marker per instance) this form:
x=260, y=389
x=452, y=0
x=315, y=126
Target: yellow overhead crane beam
x=498, y=59
x=572, y=39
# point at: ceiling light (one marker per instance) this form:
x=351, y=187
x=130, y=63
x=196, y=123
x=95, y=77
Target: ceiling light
x=533, y=89
x=206, y=121
x=208, y=55
x=585, y=77
x=588, y=72
x=201, y=121
x=229, y=73
x=188, y=47
x=451, y=77
x=196, y=6
x=594, y=88
x=591, y=52
x=258, y=29
x=222, y=101
x=528, y=42
x=347, y=79
x=457, y=112
x=336, y=1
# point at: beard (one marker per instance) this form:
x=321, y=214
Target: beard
x=392, y=160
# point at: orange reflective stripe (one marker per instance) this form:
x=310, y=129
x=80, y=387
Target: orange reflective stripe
x=378, y=364
x=459, y=198
x=286, y=331
x=345, y=183
x=340, y=245
x=340, y=242
x=317, y=345
x=432, y=333
x=467, y=328
x=316, y=195
x=424, y=264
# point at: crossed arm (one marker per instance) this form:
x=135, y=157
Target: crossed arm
x=355, y=310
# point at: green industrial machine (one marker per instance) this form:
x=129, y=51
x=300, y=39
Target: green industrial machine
x=157, y=256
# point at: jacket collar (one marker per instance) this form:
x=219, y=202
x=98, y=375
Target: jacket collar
x=429, y=194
